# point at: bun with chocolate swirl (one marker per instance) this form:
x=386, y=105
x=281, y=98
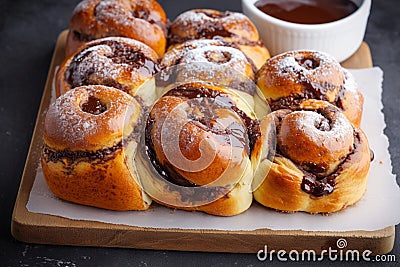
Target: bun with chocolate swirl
x=200, y=150
x=212, y=61
x=118, y=62
x=291, y=77
x=321, y=163
x=142, y=20
x=90, y=138
x=231, y=27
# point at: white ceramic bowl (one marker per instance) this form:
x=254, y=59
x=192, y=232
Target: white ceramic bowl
x=340, y=38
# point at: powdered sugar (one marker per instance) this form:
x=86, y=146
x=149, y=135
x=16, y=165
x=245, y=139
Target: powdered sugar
x=202, y=16
x=68, y=125
x=174, y=55
x=290, y=62
x=340, y=128
x=93, y=64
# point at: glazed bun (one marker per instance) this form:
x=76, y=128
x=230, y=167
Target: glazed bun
x=321, y=163
x=117, y=62
x=289, y=78
x=231, y=27
x=90, y=138
x=199, y=144
x=142, y=20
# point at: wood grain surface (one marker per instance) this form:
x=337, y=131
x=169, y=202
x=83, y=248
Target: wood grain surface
x=46, y=229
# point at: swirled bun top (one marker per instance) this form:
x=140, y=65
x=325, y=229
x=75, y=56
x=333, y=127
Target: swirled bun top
x=232, y=27
x=118, y=62
x=291, y=77
x=208, y=23
x=90, y=118
x=316, y=136
x=212, y=61
x=143, y=20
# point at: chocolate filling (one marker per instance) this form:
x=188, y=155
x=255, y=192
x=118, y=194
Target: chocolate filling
x=101, y=155
x=203, y=94
x=312, y=182
x=93, y=106
x=311, y=90
x=121, y=54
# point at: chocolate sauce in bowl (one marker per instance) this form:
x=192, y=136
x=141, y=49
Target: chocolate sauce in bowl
x=307, y=11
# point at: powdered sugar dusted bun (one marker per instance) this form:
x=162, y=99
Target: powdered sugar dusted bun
x=211, y=61
x=90, y=138
x=143, y=20
x=118, y=62
x=90, y=118
x=232, y=27
x=321, y=162
x=294, y=76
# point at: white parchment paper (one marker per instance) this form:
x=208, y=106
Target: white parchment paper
x=376, y=210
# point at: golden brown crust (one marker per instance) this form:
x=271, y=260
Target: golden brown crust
x=118, y=62
x=206, y=153
x=107, y=185
x=285, y=186
x=68, y=126
x=297, y=75
x=229, y=26
x=213, y=61
x=142, y=20
x=90, y=139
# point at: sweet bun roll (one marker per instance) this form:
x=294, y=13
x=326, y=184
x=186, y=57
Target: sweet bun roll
x=199, y=141
x=212, y=61
x=90, y=137
x=321, y=163
x=294, y=76
x=231, y=27
x=142, y=20
x=122, y=63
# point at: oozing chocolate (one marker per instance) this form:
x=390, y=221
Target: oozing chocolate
x=313, y=183
x=132, y=59
x=241, y=136
x=94, y=106
x=71, y=157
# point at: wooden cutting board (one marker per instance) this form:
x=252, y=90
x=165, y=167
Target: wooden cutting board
x=46, y=229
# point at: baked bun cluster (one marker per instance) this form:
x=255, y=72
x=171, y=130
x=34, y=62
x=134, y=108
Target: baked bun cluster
x=143, y=20
x=232, y=27
x=189, y=129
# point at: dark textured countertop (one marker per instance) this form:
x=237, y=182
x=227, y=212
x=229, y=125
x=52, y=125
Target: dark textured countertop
x=28, y=31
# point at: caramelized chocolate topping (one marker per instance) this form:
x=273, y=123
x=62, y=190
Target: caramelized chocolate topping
x=93, y=106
